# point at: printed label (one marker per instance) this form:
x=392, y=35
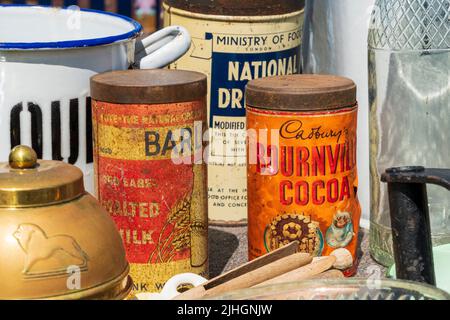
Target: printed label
x=158, y=206
x=303, y=182
x=232, y=53
x=232, y=71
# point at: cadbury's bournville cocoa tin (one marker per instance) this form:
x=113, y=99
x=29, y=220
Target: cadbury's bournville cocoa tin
x=234, y=41
x=149, y=170
x=302, y=175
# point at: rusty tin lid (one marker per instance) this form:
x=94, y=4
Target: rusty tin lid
x=301, y=93
x=238, y=7
x=148, y=86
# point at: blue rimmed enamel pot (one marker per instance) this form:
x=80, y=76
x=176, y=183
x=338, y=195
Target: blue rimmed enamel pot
x=47, y=57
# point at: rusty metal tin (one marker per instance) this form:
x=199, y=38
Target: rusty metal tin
x=301, y=93
x=302, y=176
x=148, y=86
x=234, y=42
x=57, y=241
x=149, y=170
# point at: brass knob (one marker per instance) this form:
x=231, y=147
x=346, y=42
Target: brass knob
x=22, y=157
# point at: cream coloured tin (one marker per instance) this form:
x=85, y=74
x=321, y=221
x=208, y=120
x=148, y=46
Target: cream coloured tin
x=234, y=42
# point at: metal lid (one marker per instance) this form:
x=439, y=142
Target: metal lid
x=148, y=86
x=301, y=93
x=27, y=182
x=238, y=7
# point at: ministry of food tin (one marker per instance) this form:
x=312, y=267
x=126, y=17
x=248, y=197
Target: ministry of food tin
x=150, y=177
x=302, y=176
x=235, y=41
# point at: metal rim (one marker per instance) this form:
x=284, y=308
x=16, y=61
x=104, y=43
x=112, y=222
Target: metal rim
x=117, y=289
x=424, y=289
x=70, y=44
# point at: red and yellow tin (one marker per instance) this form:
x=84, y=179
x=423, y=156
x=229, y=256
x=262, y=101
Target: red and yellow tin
x=302, y=176
x=148, y=130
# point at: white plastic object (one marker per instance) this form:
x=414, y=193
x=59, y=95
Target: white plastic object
x=170, y=290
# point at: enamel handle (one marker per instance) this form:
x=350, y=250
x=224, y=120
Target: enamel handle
x=163, y=47
x=170, y=290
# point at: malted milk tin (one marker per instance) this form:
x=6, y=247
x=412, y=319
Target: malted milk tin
x=150, y=177
x=234, y=41
x=302, y=174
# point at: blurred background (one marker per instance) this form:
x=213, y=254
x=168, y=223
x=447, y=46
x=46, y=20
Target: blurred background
x=147, y=12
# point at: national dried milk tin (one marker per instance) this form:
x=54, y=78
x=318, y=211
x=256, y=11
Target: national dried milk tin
x=302, y=175
x=234, y=41
x=150, y=177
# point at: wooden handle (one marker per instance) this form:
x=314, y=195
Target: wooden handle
x=199, y=292
x=305, y=295
x=250, y=266
x=192, y=294
x=318, y=266
x=250, y=279
x=262, y=274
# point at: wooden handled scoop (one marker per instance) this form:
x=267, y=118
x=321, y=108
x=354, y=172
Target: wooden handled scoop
x=262, y=269
x=318, y=266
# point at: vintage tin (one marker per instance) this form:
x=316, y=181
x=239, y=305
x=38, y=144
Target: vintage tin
x=148, y=128
x=302, y=176
x=234, y=41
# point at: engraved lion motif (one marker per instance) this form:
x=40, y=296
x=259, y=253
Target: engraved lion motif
x=39, y=247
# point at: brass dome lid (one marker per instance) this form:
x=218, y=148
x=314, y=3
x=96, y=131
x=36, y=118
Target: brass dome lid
x=27, y=182
x=56, y=241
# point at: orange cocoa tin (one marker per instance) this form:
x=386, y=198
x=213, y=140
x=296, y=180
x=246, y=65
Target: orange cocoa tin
x=150, y=177
x=302, y=175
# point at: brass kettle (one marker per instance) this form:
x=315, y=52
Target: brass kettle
x=56, y=241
